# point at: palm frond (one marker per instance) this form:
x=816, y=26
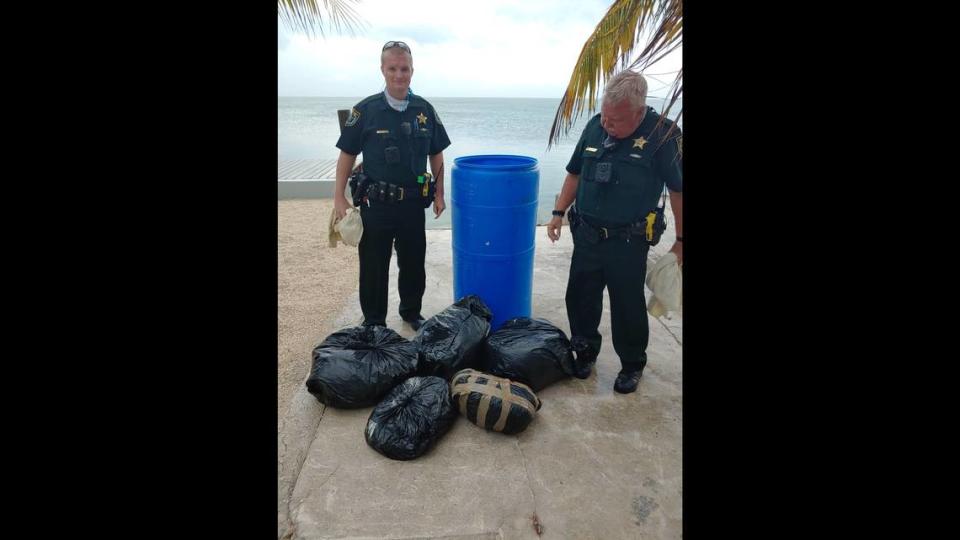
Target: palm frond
x=311, y=17
x=611, y=44
x=676, y=91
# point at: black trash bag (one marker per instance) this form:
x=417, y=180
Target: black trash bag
x=355, y=367
x=531, y=351
x=451, y=340
x=494, y=403
x=412, y=418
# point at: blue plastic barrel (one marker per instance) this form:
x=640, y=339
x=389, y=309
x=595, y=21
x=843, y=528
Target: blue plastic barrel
x=493, y=205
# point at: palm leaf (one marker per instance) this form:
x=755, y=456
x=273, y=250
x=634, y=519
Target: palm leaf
x=612, y=43
x=310, y=18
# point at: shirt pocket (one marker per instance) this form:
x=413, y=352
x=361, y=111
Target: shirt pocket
x=588, y=163
x=421, y=139
x=380, y=138
x=632, y=170
x=631, y=180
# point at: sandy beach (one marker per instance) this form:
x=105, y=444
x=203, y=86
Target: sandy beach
x=313, y=282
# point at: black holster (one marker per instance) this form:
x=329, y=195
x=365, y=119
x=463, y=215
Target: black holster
x=573, y=218
x=579, y=228
x=358, y=186
x=653, y=234
x=430, y=183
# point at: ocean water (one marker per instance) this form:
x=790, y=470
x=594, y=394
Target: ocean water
x=307, y=128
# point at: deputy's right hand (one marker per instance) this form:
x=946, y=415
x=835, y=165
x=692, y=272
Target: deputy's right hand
x=553, y=228
x=340, y=206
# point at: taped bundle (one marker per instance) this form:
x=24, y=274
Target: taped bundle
x=494, y=403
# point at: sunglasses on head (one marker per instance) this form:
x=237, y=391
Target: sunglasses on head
x=391, y=44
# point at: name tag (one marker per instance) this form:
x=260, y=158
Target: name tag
x=590, y=149
x=380, y=131
x=638, y=156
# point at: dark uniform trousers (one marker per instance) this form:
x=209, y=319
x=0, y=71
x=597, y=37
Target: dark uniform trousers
x=383, y=224
x=620, y=266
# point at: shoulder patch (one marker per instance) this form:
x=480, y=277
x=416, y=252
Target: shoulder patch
x=353, y=118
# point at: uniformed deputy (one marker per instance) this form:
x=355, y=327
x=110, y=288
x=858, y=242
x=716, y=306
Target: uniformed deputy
x=617, y=175
x=396, y=131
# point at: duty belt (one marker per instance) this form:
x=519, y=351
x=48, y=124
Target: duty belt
x=605, y=233
x=386, y=192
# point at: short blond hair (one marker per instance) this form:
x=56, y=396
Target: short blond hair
x=628, y=86
x=383, y=54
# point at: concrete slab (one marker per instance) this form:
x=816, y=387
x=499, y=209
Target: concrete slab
x=593, y=464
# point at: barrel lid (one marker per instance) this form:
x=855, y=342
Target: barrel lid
x=496, y=162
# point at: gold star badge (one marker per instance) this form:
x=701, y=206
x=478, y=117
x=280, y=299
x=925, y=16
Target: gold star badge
x=638, y=143
x=422, y=118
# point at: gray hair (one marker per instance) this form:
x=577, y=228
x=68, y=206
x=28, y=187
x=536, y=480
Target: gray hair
x=383, y=55
x=628, y=86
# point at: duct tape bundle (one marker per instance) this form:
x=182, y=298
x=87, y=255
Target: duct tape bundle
x=494, y=403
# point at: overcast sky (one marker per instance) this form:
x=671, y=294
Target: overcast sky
x=494, y=48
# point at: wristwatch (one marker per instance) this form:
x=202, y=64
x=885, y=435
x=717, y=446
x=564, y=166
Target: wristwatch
x=558, y=213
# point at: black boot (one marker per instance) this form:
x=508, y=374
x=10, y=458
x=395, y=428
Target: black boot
x=627, y=381
x=586, y=357
x=415, y=322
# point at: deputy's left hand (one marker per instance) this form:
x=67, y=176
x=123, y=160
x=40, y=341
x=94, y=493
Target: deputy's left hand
x=438, y=206
x=677, y=250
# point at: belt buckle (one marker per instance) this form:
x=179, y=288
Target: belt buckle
x=402, y=191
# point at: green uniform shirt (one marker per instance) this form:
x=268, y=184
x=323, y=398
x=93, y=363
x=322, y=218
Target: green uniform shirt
x=621, y=184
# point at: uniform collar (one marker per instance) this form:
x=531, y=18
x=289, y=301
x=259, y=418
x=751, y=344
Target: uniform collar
x=397, y=104
x=649, y=120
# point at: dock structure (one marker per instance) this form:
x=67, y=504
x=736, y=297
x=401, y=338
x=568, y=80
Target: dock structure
x=309, y=178
x=306, y=169
x=306, y=178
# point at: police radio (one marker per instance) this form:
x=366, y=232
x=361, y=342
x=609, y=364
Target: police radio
x=656, y=222
x=427, y=185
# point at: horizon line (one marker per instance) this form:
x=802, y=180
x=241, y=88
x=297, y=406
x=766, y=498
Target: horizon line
x=447, y=97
